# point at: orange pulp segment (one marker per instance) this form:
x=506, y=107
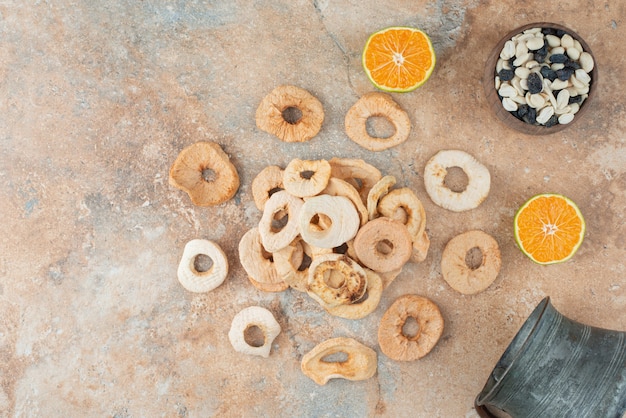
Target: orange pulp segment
x=549, y=228
x=398, y=59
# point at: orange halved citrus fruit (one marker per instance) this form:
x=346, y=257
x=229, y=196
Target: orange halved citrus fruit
x=549, y=228
x=398, y=59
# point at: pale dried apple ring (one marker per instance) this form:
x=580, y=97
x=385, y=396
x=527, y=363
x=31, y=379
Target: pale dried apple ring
x=274, y=235
x=204, y=171
x=275, y=114
x=247, y=319
x=404, y=200
x=267, y=182
x=366, y=304
x=304, y=178
x=360, y=364
x=372, y=105
x=401, y=345
x=256, y=261
x=420, y=248
x=288, y=262
x=339, y=187
x=380, y=189
x=470, y=262
x=335, y=279
x=357, y=172
x=200, y=281
x=478, y=180
x=383, y=245
x=343, y=217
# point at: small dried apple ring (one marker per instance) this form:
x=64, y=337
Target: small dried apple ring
x=291, y=113
x=361, y=362
x=335, y=279
x=380, y=189
x=478, y=180
x=357, y=172
x=344, y=221
x=401, y=345
x=339, y=187
x=406, y=202
x=470, y=262
x=275, y=233
x=257, y=263
x=247, y=319
x=304, y=178
x=288, y=262
x=204, y=171
x=377, y=104
x=200, y=281
x=383, y=245
x=366, y=304
x=267, y=182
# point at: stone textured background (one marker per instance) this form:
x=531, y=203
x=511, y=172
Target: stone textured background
x=98, y=97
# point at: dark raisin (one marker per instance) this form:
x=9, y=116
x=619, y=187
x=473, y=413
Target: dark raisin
x=572, y=64
x=575, y=99
x=522, y=110
x=548, y=73
x=506, y=75
x=559, y=58
x=560, y=33
x=564, y=73
x=535, y=83
x=548, y=31
x=531, y=116
x=554, y=119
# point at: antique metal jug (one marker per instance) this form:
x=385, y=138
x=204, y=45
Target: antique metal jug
x=557, y=367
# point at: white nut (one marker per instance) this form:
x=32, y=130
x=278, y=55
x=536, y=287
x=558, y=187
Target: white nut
x=566, y=118
x=545, y=114
x=586, y=61
x=522, y=72
x=522, y=59
x=562, y=99
x=582, y=76
x=534, y=43
x=507, y=90
x=202, y=281
x=573, y=53
x=559, y=84
x=509, y=104
x=553, y=41
x=508, y=51
x=567, y=41
x=253, y=316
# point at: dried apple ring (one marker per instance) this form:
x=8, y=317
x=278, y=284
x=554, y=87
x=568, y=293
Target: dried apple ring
x=291, y=113
x=344, y=221
x=403, y=203
x=470, y=262
x=243, y=325
x=335, y=279
x=275, y=232
x=204, y=171
x=377, y=104
x=360, y=364
x=196, y=279
x=366, y=304
x=288, y=262
x=267, y=182
x=478, y=180
x=383, y=245
x=257, y=263
x=380, y=189
x=304, y=178
x=339, y=187
x=357, y=172
x=402, y=344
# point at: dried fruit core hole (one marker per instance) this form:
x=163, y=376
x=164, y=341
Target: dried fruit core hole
x=307, y=174
x=474, y=258
x=279, y=220
x=202, y=263
x=208, y=175
x=334, y=278
x=456, y=179
x=306, y=262
x=379, y=127
x=338, y=357
x=254, y=336
x=271, y=191
x=292, y=115
x=320, y=222
x=410, y=328
x=384, y=247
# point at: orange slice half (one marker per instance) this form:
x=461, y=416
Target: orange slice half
x=549, y=228
x=398, y=59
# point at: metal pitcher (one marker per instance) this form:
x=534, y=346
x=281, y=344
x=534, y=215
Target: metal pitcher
x=557, y=367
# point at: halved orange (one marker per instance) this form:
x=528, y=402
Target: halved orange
x=549, y=228
x=398, y=59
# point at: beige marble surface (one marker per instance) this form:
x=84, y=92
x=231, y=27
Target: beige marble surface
x=98, y=97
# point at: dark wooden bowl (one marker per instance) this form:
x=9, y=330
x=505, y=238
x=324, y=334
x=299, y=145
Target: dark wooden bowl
x=495, y=102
